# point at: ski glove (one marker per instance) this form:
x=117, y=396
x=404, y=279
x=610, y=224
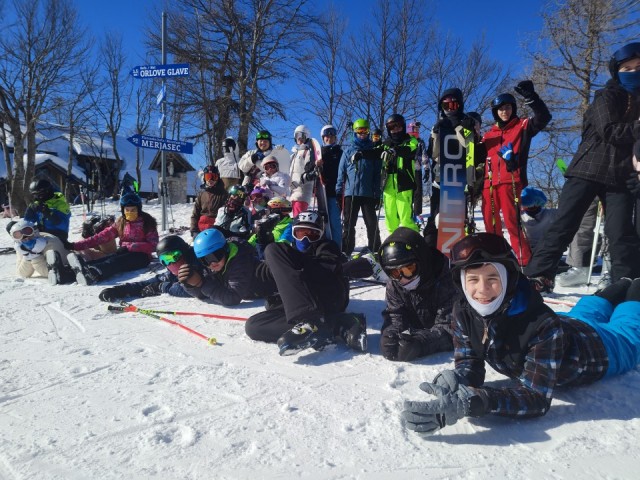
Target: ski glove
x=189, y=276
x=389, y=344
x=409, y=348
x=447, y=379
x=526, y=89
x=256, y=157
x=633, y=184
x=509, y=157
x=447, y=408
x=468, y=123
x=68, y=245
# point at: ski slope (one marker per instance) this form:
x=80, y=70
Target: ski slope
x=90, y=394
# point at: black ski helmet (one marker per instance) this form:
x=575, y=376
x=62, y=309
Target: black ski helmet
x=629, y=51
x=172, y=243
x=41, y=189
x=228, y=145
x=398, y=254
x=309, y=218
x=396, y=118
x=500, y=100
x=480, y=248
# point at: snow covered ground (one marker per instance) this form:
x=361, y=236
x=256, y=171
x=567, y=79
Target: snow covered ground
x=89, y=394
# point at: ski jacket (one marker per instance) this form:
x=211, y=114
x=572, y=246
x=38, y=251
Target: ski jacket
x=278, y=183
x=228, y=165
x=609, y=129
x=243, y=278
x=282, y=232
x=247, y=164
x=423, y=313
x=234, y=224
x=360, y=178
x=401, y=172
x=536, y=227
x=207, y=204
x=134, y=237
x=302, y=161
x=30, y=259
x=518, y=132
x=331, y=155
x=52, y=215
x=530, y=344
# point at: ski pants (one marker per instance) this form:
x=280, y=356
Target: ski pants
x=618, y=328
x=502, y=199
x=417, y=194
x=575, y=198
x=352, y=205
x=580, y=248
x=298, y=206
x=125, y=262
x=398, y=208
x=307, y=289
x=335, y=223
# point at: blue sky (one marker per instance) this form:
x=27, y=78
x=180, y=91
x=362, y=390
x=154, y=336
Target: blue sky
x=504, y=26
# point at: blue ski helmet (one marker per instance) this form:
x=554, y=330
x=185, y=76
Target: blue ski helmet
x=208, y=241
x=130, y=199
x=629, y=51
x=503, y=99
x=532, y=197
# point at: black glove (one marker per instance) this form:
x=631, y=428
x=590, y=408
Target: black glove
x=256, y=157
x=308, y=177
x=409, y=348
x=264, y=233
x=151, y=290
x=509, y=157
x=118, y=292
x=525, y=88
x=468, y=123
x=68, y=245
x=633, y=184
x=389, y=345
x=188, y=275
x=428, y=417
x=121, y=250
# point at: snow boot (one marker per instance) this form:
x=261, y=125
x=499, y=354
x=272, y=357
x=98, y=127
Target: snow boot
x=542, y=284
x=574, y=277
x=302, y=336
x=85, y=274
x=352, y=328
x=54, y=266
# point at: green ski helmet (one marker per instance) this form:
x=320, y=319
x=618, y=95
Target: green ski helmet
x=361, y=123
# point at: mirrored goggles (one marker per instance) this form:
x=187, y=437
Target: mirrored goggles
x=329, y=132
x=262, y=136
x=450, y=104
x=211, y=176
x=24, y=232
x=312, y=233
x=361, y=131
x=167, y=258
x=406, y=271
x=480, y=247
x=214, y=257
x=394, y=126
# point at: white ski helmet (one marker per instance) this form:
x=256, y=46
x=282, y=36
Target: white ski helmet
x=328, y=130
x=27, y=228
x=301, y=131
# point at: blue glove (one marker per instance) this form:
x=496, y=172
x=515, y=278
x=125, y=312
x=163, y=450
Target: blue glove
x=509, y=157
x=427, y=418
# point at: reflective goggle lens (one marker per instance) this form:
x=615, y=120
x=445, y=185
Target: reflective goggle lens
x=24, y=232
x=214, y=257
x=313, y=234
x=329, y=132
x=361, y=131
x=211, y=176
x=406, y=271
x=167, y=258
x=450, y=104
x=262, y=136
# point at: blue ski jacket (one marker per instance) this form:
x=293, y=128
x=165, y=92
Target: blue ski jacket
x=359, y=177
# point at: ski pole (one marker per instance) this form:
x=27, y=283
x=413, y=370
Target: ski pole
x=133, y=308
x=594, y=245
x=559, y=302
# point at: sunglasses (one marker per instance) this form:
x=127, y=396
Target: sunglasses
x=481, y=247
x=214, y=257
x=23, y=232
x=312, y=233
x=211, y=176
x=262, y=136
x=406, y=271
x=167, y=258
x=330, y=132
x=269, y=166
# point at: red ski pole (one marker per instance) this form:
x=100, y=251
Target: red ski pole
x=133, y=308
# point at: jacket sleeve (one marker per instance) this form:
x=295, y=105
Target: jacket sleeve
x=541, y=115
x=469, y=364
x=104, y=236
x=148, y=245
x=245, y=162
x=195, y=215
x=342, y=173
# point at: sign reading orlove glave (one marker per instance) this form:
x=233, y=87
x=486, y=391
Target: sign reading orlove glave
x=161, y=71
x=159, y=143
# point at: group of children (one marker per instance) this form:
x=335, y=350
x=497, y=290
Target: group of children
x=477, y=303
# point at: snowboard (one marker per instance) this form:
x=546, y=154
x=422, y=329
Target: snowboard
x=451, y=218
x=320, y=192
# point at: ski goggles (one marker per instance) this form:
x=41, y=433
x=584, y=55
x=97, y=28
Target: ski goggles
x=262, y=136
x=167, y=258
x=214, y=257
x=361, y=131
x=481, y=247
x=313, y=234
x=394, y=127
x=627, y=52
x=299, y=135
x=23, y=232
x=270, y=166
x=211, y=176
x=450, y=104
x=329, y=132
x=405, y=271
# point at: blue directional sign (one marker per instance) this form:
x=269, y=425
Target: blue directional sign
x=159, y=143
x=161, y=71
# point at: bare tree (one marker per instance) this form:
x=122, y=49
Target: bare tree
x=40, y=54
